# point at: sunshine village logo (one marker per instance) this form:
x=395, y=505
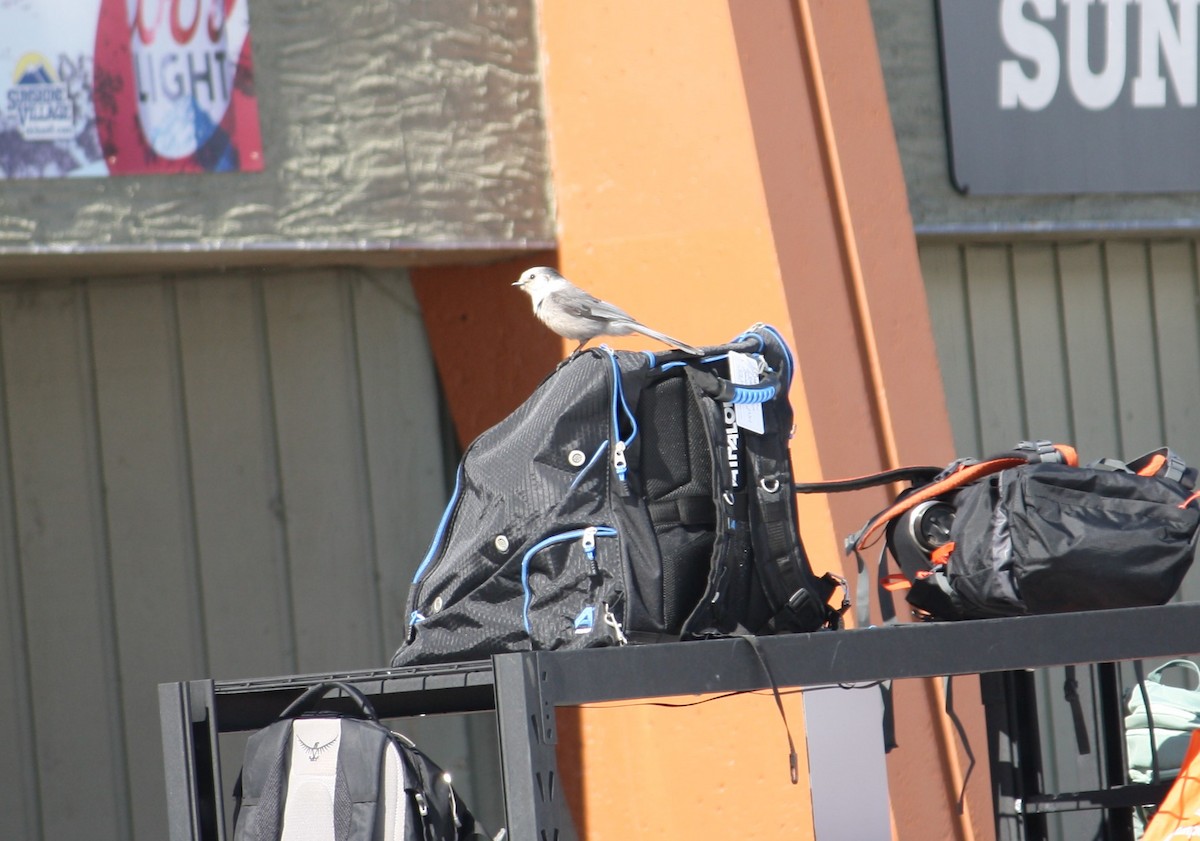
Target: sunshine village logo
x=41, y=104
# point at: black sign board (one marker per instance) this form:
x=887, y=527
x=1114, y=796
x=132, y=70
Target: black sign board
x=1071, y=96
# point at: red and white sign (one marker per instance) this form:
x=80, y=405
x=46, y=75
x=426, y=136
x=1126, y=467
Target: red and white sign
x=126, y=87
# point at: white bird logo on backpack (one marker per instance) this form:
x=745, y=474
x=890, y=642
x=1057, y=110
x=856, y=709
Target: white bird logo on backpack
x=314, y=751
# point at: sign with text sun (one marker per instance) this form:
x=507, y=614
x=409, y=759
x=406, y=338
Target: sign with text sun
x=1071, y=96
x=126, y=87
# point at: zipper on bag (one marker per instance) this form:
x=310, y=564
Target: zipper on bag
x=619, y=464
x=434, y=553
x=586, y=537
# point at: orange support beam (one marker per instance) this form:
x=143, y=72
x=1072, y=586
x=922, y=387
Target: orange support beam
x=716, y=163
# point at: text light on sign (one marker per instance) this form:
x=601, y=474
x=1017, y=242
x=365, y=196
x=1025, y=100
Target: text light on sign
x=182, y=86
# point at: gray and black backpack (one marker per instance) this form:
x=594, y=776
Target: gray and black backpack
x=314, y=775
x=633, y=497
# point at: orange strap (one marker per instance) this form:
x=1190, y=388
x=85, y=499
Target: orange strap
x=1153, y=465
x=1190, y=500
x=898, y=581
x=1070, y=457
x=941, y=555
x=963, y=476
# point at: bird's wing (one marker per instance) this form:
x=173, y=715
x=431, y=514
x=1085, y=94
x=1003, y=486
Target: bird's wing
x=603, y=309
x=579, y=303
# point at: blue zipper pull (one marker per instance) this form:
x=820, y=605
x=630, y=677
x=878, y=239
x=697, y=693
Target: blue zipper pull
x=588, y=541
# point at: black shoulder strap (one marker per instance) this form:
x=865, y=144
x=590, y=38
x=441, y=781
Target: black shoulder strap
x=426, y=781
x=918, y=475
x=262, y=784
x=797, y=596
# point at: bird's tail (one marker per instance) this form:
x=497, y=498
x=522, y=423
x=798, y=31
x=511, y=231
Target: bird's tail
x=664, y=338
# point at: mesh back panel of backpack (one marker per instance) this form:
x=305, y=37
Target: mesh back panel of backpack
x=676, y=466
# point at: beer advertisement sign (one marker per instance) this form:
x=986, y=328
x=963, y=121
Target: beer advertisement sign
x=126, y=87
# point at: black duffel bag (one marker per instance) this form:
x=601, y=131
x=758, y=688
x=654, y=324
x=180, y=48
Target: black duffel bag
x=1029, y=531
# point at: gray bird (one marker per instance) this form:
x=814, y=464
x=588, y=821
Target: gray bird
x=574, y=314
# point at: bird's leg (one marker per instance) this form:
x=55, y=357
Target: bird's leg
x=579, y=346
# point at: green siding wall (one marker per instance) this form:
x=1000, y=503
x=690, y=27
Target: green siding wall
x=214, y=476
x=1096, y=343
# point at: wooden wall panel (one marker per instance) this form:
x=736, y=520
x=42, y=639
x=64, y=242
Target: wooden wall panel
x=20, y=796
x=230, y=476
x=1043, y=370
x=399, y=406
x=67, y=589
x=1108, y=343
x=1175, y=296
x=235, y=483
x=996, y=357
x=1134, y=347
x=313, y=382
x=946, y=290
x=1089, y=351
x=148, y=511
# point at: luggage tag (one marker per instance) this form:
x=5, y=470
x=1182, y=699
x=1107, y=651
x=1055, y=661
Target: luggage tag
x=743, y=370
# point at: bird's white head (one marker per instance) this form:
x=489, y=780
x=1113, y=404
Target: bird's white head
x=538, y=278
x=538, y=281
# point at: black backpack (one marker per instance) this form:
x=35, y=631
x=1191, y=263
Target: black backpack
x=324, y=775
x=624, y=502
x=1030, y=531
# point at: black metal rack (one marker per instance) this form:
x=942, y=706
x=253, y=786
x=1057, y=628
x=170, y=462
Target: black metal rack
x=525, y=688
